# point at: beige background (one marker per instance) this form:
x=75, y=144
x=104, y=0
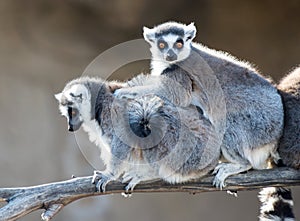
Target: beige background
x=45, y=43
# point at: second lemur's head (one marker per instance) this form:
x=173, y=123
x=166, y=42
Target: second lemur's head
x=81, y=100
x=170, y=42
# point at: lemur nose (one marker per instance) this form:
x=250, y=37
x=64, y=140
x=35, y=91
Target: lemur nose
x=171, y=56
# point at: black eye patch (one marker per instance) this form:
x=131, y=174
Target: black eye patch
x=162, y=45
x=73, y=112
x=178, y=44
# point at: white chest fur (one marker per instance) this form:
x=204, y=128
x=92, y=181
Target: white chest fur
x=95, y=135
x=158, y=67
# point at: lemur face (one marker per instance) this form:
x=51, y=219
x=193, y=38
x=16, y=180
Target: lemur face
x=170, y=42
x=74, y=104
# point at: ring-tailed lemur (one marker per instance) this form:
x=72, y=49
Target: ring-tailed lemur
x=277, y=202
x=248, y=102
x=140, y=139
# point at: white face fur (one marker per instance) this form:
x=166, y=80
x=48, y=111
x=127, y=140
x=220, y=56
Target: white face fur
x=170, y=42
x=75, y=105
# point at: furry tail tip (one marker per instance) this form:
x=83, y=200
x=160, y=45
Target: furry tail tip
x=277, y=204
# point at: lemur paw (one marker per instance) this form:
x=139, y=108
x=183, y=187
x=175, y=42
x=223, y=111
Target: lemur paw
x=219, y=180
x=224, y=170
x=133, y=181
x=131, y=185
x=101, y=179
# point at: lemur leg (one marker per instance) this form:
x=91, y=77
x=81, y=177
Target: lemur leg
x=224, y=170
x=235, y=163
x=239, y=162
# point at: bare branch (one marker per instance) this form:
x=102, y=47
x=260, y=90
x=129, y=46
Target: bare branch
x=54, y=196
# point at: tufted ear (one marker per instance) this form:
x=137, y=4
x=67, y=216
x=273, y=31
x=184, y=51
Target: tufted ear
x=149, y=34
x=190, y=31
x=58, y=96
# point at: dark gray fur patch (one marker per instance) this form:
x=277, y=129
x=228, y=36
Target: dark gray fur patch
x=289, y=144
x=100, y=91
x=169, y=30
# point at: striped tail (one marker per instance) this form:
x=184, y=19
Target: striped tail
x=277, y=204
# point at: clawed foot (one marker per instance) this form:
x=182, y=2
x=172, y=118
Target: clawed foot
x=219, y=180
x=101, y=179
x=224, y=170
x=134, y=180
x=130, y=186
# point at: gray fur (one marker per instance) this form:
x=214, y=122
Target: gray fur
x=180, y=146
x=238, y=101
x=289, y=144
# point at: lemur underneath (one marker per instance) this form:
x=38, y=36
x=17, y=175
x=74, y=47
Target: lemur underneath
x=140, y=139
x=249, y=110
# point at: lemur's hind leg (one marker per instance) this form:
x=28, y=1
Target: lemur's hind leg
x=224, y=170
x=256, y=158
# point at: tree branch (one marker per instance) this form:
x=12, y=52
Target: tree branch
x=54, y=196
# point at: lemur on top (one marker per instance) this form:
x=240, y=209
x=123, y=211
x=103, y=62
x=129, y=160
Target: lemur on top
x=244, y=106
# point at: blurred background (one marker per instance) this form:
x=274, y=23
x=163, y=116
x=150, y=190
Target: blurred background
x=45, y=43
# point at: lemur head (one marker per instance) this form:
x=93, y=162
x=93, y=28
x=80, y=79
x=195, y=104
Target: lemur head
x=74, y=104
x=170, y=42
x=81, y=99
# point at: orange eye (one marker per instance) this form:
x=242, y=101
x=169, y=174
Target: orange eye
x=161, y=45
x=179, y=45
x=74, y=113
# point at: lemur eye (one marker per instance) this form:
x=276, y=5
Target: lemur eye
x=179, y=45
x=73, y=113
x=161, y=45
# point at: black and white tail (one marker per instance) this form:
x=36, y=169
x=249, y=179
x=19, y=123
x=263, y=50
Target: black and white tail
x=277, y=204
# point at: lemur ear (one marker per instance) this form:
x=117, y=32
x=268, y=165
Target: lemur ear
x=190, y=31
x=149, y=34
x=58, y=96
